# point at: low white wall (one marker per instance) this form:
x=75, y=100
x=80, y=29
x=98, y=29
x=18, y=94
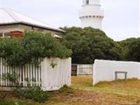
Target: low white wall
x=55, y=77
x=104, y=70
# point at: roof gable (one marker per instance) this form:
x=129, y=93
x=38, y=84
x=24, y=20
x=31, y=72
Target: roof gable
x=9, y=16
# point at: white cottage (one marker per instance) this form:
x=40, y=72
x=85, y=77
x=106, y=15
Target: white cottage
x=52, y=74
x=14, y=24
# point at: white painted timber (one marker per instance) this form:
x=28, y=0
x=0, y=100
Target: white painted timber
x=104, y=70
x=53, y=78
x=52, y=74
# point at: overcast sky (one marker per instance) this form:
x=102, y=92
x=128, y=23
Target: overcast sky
x=122, y=17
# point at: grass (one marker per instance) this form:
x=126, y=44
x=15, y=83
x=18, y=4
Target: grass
x=83, y=93
x=130, y=87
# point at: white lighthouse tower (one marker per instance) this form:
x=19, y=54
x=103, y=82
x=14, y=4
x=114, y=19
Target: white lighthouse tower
x=91, y=14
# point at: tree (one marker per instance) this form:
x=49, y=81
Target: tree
x=124, y=44
x=89, y=44
x=134, y=50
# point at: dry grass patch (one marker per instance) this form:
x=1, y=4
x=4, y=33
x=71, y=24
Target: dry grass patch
x=121, y=87
x=83, y=93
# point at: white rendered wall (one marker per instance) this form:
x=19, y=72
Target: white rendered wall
x=57, y=77
x=104, y=70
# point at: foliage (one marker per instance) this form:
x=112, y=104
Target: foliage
x=134, y=50
x=66, y=90
x=34, y=93
x=125, y=46
x=29, y=92
x=12, y=77
x=3, y=95
x=18, y=52
x=89, y=44
x=5, y=102
x=131, y=49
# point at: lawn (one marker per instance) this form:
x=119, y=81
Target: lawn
x=83, y=93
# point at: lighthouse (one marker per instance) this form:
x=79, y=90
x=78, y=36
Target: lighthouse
x=91, y=14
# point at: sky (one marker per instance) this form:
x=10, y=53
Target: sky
x=121, y=20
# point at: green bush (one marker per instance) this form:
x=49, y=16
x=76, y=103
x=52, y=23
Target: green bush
x=34, y=93
x=30, y=48
x=5, y=102
x=66, y=90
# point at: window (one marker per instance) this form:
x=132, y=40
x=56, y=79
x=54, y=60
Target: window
x=87, y=1
x=16, y=34
x=5, y=35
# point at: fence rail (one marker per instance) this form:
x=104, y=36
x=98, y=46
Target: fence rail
x=27, y=75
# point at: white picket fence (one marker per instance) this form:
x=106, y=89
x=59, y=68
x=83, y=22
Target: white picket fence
x=29, y=74
x=45, y=75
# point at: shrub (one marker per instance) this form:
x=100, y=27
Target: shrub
x=66, y=90
x=5, y=102
x=30, y=48
x=34, y=93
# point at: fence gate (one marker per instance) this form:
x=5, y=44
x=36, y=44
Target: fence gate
x=82, y=69
x=74, y=70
